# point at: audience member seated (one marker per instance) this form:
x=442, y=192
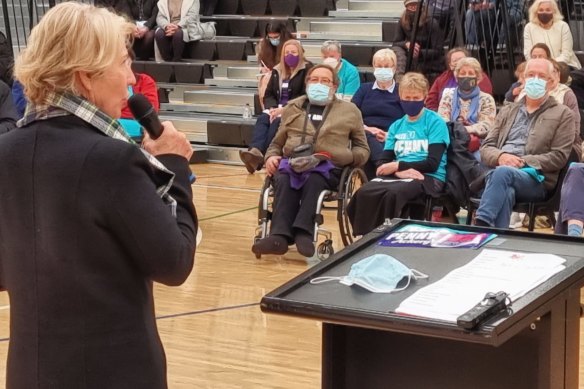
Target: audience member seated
x=286, y=83
x=466, y=103
x=8, y=114
x=144, y=85
x=571, y=217
x=526, y=149
x=332, y=130
x=546, y=26
x=379, y=105
x=482, y=28
x=18, y=98
x=518, y=85
x=143, y=13
x=268, y=51
x=427, y=51
x=413, y=164
x=447, y=79
x=348, y=74
x=173, y=20
x=564, y=95
x=540, y=50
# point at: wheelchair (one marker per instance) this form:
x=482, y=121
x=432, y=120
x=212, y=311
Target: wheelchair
x=351, y=180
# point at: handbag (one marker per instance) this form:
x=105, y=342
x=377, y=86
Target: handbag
x=198, y=31
x=304, y=149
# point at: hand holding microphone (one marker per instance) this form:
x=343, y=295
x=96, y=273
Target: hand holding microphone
x=160, y=138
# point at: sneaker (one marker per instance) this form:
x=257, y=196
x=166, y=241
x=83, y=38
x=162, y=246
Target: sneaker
x=252, y=159
x=515, y=221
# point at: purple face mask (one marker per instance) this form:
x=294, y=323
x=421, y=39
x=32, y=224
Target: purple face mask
x=291, y=60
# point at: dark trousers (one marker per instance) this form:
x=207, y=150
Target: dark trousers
x=294, y=209
x=208, y=7
x=376, y=149
x=144, y=47
x=376, y=201
x=264, y=132
x=171, y=47
x=571, y=204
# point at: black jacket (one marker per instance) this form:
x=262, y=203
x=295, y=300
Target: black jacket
x=6, y=59
x=462, y=167
x=131, y=8
x=296, y=86
x=8, y=113
x=431, y=41
x=84, y=235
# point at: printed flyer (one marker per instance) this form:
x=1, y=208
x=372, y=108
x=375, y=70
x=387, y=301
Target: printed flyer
x=415, y=235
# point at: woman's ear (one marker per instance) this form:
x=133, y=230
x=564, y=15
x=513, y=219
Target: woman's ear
x=83, y=84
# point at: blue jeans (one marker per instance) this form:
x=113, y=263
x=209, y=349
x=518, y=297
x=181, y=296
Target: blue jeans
x=506, y=186
x=264, y=132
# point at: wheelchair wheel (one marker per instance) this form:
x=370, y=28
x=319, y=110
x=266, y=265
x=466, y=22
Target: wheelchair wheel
x=351, y=181
x=325, y=250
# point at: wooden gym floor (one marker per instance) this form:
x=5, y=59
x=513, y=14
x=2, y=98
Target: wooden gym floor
x=214, y=333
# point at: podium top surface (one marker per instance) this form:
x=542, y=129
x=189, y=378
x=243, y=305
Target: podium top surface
x=354, y=306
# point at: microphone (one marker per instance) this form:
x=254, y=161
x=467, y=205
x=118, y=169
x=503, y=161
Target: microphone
x=145, y=114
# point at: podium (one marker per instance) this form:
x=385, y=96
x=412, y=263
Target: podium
x=366, y=345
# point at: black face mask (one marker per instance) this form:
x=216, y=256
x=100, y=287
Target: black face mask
x=411, y=14
x=545, y=18
x=466, y=84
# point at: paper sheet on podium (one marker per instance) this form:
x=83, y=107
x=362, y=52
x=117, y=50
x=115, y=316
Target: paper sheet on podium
x=491, y=271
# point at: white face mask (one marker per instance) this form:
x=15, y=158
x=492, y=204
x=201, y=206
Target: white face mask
x=332, y=62
x=383, y=74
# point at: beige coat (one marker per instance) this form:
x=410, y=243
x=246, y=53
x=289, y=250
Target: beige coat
x=551, y=137
x=189, y=14
x=342, y=124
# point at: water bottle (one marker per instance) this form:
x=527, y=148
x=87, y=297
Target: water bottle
x=247, y=112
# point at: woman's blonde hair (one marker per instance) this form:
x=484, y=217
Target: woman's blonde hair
x=533, y=11
x=471, y=62
x=384, y=54
x=414, y=81
x=70, y=38
x=286, y=71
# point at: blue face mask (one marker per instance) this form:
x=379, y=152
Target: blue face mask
x=275, y=42
x=535, y=88
x=378, y=273
x=318, y=94
x=383, y=74
x=412, y=108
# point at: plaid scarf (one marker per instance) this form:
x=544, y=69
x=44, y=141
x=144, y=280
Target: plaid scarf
x=67, y=104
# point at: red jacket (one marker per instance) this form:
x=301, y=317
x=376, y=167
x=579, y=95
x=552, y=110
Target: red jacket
x=147, y=86
x=435, y=94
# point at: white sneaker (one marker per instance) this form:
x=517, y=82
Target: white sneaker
x=516, y=221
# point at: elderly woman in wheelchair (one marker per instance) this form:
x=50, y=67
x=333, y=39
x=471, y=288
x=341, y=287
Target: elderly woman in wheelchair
x=318, y=135
x=413, y=165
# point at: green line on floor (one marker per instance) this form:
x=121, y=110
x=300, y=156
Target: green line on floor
x=228, y=214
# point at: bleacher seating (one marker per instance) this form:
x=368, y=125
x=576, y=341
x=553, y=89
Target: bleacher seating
x=205, y=95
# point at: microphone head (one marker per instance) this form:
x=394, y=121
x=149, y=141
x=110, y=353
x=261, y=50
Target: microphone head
x=140, y=106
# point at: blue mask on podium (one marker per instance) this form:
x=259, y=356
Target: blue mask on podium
x=378, y=273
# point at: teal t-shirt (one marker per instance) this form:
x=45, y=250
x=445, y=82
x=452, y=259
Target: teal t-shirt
x=410, y=140
x=349, y=77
